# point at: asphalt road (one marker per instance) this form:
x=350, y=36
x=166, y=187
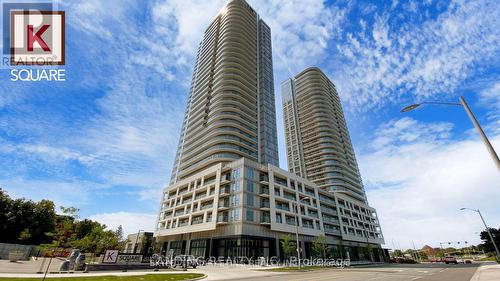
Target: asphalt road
x=421, y=272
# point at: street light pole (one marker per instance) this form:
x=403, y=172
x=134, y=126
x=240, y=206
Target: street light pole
x=297, y=227
x=464, y=104
x=297, y=232
x=486, y=142
x=488, y=230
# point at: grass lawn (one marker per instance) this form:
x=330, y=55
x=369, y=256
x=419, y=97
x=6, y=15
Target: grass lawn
x=147, y=277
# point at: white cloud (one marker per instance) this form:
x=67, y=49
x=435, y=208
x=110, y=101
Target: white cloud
x=130, y=221
x=300, y=29
x=490, y=98
x=419, y=184
x=407, y=130
x=420, y=60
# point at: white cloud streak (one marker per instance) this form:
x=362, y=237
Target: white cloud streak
x=130, y=221
x=435, y=57
x=419, y=184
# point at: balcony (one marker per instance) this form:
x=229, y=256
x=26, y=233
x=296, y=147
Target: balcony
x=264, y=192
x=265, y=220
x=223, y=205
x=264, y=179
x=332, y=230
x=283, y=206
x=197, y=220
x=206, y=206
x=208, y=182
x=264, y=205
x=289, y=196
x=200, y=195
x=224, y=191
x=329, y=220
x=223, y=218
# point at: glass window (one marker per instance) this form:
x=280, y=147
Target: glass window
x=250, y=200
x=235, y=200
x=235, y=177
x=249, y=173
x=249, y=186
x=249, y=215
x=235, y=215
x=278, y=218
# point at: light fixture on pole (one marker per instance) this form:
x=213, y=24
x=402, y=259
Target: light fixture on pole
x=487, y=229
x=297, y=226
x=464, y=104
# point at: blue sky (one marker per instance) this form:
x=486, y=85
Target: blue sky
x=104, y=140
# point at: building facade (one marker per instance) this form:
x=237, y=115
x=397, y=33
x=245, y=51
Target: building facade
x=140, y=243
x=227, y=196
x=230, y=111
x=319, y=147
x=244, y=209
x=318, y=144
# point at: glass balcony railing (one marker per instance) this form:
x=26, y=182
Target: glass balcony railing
x=224, y=190
x=265, y=219
x=222, y=218
x=208, y=206
x=264, y=204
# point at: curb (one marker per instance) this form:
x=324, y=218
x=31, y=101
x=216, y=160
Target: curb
x=198, y=278
x=56, y=278
x=477, y=274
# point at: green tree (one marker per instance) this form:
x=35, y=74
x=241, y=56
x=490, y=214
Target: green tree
x=319, y=245
x=5, y=205
x=369, y=252
x=98, y=240
x=423, y=256
x=341, y=249
x=64, y=232
x=84, y=228
x=288, y=245
x=487, y=245
x=70, y=211
x=28, y=222
x=146, y=243
x=43, y=222
x=24, y=221
x=397, y=253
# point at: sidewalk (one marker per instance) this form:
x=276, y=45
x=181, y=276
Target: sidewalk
x=92, y=274
x=487, y=273
x=213, y=273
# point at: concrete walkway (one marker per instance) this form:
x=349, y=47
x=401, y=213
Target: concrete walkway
x=213, y=272
x=29, y=266
x=487, y=273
